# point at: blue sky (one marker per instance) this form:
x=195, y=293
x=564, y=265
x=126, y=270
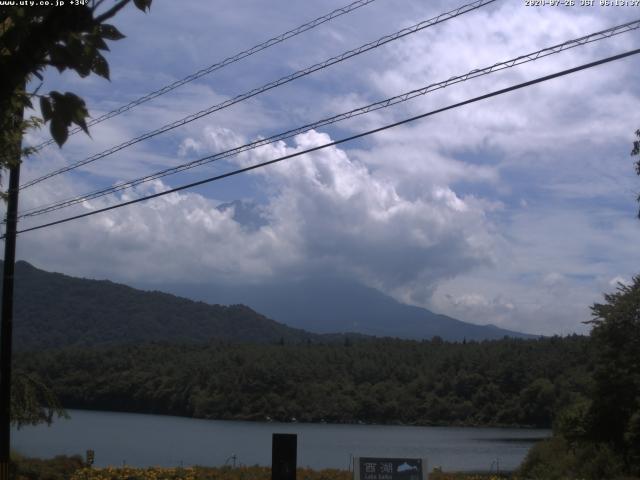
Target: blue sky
x=518, y=211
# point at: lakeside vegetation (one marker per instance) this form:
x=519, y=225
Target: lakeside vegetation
x=598, y=436
x=507, y=382
x=587, y=388
x=65, y=467
x=242, y=473
x=73, y=468
x=61, y=467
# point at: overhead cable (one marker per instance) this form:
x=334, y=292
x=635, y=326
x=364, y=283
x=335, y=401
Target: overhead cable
x=338, y=142
x=593, y=37
x=219, y=65
x=256, y=91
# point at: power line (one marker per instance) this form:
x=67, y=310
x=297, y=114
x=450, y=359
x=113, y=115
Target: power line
x=593, y=37
x=281, y=81
x=343, y=140
x=219, y=65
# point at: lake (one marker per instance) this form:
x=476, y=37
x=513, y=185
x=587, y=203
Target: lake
x=146, y=440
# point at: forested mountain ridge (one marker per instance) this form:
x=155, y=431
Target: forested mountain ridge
x=53, y=310
x=56, y=310
x=507, y=382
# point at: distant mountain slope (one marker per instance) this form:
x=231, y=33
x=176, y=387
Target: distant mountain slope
x=55, y=310
x=324, y=305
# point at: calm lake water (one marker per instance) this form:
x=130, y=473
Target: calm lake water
x=145, y=440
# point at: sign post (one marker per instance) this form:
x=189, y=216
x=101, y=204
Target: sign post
x=284, y=456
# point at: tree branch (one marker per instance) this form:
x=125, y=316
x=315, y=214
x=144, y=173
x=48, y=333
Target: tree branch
x=112, y=11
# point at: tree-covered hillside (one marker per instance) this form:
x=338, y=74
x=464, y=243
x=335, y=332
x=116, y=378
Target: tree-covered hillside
x=54, y=310
x=507, y=382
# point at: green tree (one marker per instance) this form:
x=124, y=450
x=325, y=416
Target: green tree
x=599, y=436
x=615, y=408
x=537, y=400
x=32, y=401
x=33, y=38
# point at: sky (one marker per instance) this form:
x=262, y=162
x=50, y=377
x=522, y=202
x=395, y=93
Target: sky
x=518, y=211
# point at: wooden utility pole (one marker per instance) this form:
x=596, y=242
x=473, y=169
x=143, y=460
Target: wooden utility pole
x=6, y=322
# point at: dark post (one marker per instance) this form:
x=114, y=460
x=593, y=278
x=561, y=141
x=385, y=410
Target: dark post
x=284, y=456
x=90, y=457
x=6, y=325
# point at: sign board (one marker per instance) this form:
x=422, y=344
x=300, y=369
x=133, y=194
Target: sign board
x=376, y=468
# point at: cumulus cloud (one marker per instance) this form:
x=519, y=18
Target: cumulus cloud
x=325, y=212
x=517, y=211
x=617, y=280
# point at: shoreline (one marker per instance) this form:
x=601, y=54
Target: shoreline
x=320, y=422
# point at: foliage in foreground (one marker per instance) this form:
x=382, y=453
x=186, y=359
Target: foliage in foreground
x=38, y=36
x=201, y=473
x=58, y=468
x=242, y=473
x=599, y=435
x=73, y=468
x=556, y=459
x=32, y=401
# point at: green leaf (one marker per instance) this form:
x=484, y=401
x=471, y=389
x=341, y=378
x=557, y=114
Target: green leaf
x=100, y=66
x=74, y=104
x=81, y=122
x=79, y=115
x=45, y=107
x=59, y=131
x=66, y=109
x=143, y=5
x=59, y=57
x=110, y=32
x=98, y=42
x=62, y=110
x=74, y=100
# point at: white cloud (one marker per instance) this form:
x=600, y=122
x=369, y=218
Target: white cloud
x=325, y=212
x=516, y=211
x=617, y=280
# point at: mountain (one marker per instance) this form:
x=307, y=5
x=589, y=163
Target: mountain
x=53, y=310
x=331, y=304
x=247, y=213
x=325, y=304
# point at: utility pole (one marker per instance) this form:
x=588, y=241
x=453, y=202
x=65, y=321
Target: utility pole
x=6, y=322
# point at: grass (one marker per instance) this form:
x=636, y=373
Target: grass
x=73, y=468
x=241, y=473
